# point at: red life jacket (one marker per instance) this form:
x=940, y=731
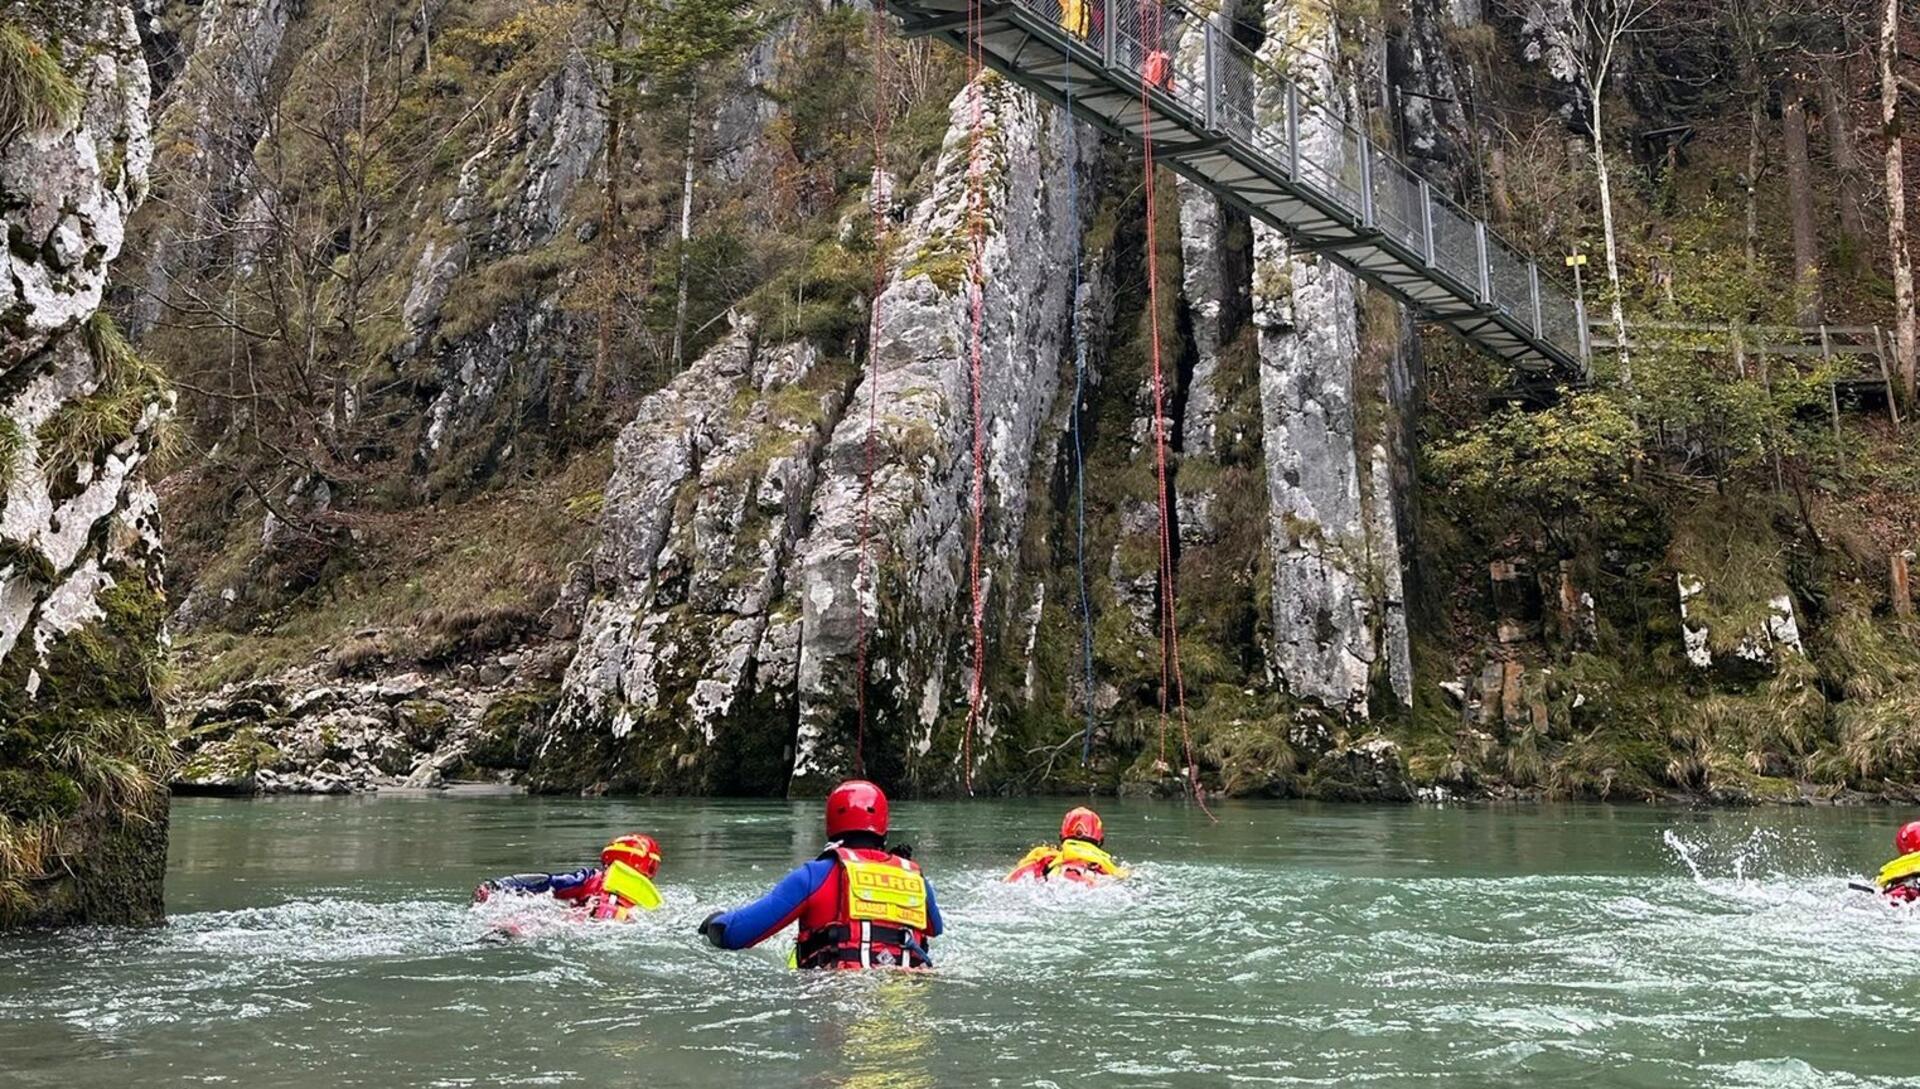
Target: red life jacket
x=599, y=903
x=877, y=916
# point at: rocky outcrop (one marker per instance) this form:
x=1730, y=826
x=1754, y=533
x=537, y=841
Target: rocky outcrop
x=82, y=807
x=214, y=115
x=684, y=675
x=920, y=378
x=305, y=733
x=720, y=649
x=1760, y=643
x=1328, y=545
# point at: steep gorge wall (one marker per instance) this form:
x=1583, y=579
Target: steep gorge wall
x=1270, y=357
x=710, y=489
x=82, y=799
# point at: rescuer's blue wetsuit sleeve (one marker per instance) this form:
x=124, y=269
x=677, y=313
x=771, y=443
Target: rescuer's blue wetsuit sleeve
x=750, y=925
x=934, y=923
x=556, y=883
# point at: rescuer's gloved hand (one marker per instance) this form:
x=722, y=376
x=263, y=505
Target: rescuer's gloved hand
x=715, y=933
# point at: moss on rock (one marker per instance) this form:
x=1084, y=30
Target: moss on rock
x=92, y=725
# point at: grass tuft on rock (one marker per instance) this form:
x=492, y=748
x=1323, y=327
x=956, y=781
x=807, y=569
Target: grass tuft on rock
x=117, y=409
x=36, y=94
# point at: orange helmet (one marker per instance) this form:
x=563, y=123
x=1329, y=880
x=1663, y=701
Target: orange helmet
x=856, y=806
x=640, y=852
x=1907, y=839
x=1083, y=823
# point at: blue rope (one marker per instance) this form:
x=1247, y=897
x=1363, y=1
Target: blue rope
x=1079, y=459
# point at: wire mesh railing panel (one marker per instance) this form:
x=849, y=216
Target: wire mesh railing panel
x=1330, y=156
x=1396, y=202
x=1181, y=66
x=1512, y=285
x=1456, y=245
x=1559, y=318
x=1069, y=15
x=1129, y=54
x=1233, y=93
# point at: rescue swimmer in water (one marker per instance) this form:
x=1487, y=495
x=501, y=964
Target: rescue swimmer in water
x=858, y=905
x=1899, y=880
x=610, y=891
x=1079, y=857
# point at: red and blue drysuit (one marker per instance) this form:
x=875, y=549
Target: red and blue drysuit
x=584, y=887
x=815, y=896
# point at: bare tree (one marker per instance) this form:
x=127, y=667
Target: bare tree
x=1592, y=44
x=1836, y=113
x=1809, y=306
x=616, y=85
x=1903, y=305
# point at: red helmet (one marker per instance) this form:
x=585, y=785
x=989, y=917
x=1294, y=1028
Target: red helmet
x=640, y=852
x=856, y=806
x=1083, y=823
x=1907, y=839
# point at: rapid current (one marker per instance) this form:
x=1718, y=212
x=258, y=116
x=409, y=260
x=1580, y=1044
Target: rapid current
x=328, y=942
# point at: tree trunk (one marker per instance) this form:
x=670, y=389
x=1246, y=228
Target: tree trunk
x=686, y=234
x=1904, y=349
x=1613, y=250
x=1499, y=199
x=1808, y=304
x=1835, y=112
x=609, y=235
x=1756, y=114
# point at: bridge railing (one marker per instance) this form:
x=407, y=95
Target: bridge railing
x=1225, y=87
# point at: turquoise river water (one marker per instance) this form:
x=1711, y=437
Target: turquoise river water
x=328, y=942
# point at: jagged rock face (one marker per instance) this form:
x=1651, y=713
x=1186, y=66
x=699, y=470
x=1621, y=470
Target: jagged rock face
x=79, y=548
x=1324, y=541
x=69, y=191
x=1420, y=65
x=720, y=649
x=555, y=144
x=212, y=118
x=920, y=608
x=684, y=670
x=1203, y=248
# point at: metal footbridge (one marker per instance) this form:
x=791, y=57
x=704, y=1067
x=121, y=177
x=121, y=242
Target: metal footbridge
x=1228, y=120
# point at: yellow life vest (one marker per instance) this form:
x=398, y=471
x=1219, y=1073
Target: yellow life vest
x=885, y=892
x=1904, y=866
x=632, y=886
x=1078, y=852
x=1041, y=856
x=1076, y=17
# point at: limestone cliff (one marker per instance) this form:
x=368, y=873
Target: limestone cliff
x=466, y=510
x=82, y=754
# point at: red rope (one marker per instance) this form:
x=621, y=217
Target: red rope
x=881, y=103
x=1157, y=65
x=976, y=261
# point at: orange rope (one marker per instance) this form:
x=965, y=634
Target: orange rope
x=1155, y=63
x=976, y=261
x=866, y=572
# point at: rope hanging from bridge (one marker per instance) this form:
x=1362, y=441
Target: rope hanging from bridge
x=866, y=575
x=1155, y=68
x=977, y=280
x=1079, y=347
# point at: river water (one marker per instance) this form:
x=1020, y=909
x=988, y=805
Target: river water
x=327, y=942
